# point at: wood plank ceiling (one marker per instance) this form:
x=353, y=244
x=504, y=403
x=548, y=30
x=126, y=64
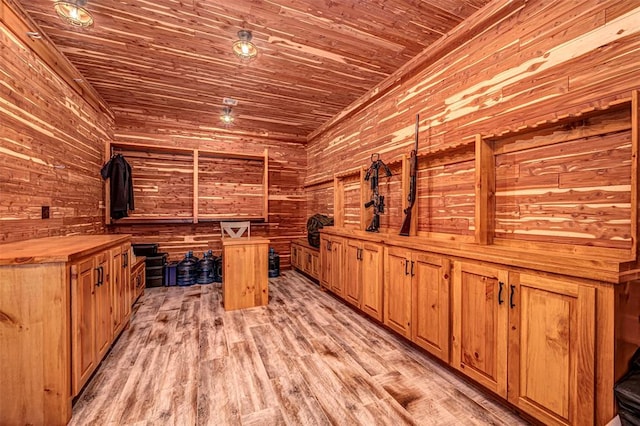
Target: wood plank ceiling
x=173, y=58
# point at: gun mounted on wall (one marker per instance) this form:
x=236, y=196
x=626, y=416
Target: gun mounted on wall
x=377, y=200
x=413, y=182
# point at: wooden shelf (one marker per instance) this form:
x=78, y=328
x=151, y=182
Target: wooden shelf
x=190, y=163
x=566, y=168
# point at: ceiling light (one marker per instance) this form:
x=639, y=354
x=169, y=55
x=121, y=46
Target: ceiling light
x=243, y=48
x=226, y=116
x=73, y=12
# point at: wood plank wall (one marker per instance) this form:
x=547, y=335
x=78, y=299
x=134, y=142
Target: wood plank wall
x=51, y=149
x=541, y=61
x=287, y=201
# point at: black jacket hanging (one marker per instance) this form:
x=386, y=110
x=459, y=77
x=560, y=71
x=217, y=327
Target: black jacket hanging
x=118, y=171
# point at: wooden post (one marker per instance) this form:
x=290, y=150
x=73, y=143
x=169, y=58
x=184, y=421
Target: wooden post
x=265, y=186
x=338, y=201
x=107, y=187
x=196, y=169
x=485, y=191
x=635, y=169
x=365, y=216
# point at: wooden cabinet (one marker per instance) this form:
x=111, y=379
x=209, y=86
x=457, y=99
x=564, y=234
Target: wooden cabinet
x=363, y=279
x=528, y=338
x=305, y=258
x=125, y=272
x=331, y=264
x=138, y=277
x=310, y=261
x=296, y=256
x=58, y=291
x=102, y=293
x=416, y=298
x=325, y=261
x=83, y=305
x=353, y=272
x=480, y=312
x=90, y=315
x=245, y=275
x=551, y=352
x=121, y=291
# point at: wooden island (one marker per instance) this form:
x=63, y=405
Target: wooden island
x=245, y=276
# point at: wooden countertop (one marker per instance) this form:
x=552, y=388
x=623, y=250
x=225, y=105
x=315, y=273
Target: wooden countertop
x=56, y=249
x=305, y=243
x=600, y=267
x=244, y=240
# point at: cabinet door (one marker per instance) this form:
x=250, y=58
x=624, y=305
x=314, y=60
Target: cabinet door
x=104, y=325
x=551, y=349
x=353, y=272
x=337, y=266
x=128, y=287
x=480, y=321
x=372, y=280
x=315, y=265
x=117, y=290
x=430, y=303
x=306, y=260
x=295, y=259
x=83, y=278
x=325, y=262
x=397, y=290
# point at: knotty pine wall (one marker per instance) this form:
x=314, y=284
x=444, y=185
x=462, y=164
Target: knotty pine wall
x=539, y=61
x=51, y=148
x=287, y=202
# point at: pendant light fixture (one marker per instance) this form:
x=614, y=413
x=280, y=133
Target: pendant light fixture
x=73, y=12
x=226, y=117
x=243, y=48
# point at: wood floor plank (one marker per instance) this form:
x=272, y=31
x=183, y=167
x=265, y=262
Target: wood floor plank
x=299, y=405
x=305, y=358
x=251, y=380
x=271, y=416
x=218, y=401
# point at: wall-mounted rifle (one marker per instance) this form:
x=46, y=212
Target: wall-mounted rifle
x=377, y=200
x=413, y=182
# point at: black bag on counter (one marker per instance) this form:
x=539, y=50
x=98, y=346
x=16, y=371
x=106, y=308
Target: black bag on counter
x=627, y=392
x=314, y=224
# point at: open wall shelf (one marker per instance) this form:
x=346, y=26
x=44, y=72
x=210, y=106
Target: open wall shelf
x=184, y=185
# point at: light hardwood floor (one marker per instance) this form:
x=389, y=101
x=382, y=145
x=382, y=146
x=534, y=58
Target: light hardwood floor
x=304, y=359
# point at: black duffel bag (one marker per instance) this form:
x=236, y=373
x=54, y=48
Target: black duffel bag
x=627, y=392
x=314, y=225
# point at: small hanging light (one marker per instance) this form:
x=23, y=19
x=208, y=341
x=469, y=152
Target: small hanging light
x=73, y=12
x=226, y=116
x=243, y=48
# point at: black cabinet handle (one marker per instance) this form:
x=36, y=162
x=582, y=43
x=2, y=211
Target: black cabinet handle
x=406, y=267
x=500, y=300
x=412, y=263
x=125, y=263
x=100, y=272
x=513, y=290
